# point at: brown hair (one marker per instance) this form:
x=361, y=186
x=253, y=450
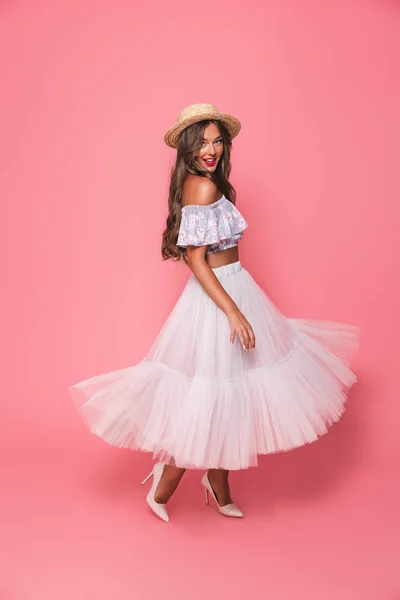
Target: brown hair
x=189, y=144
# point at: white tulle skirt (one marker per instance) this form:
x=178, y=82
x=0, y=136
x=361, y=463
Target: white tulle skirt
x=209, y=404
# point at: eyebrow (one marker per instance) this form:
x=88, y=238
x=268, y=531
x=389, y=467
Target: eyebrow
x=217, y=138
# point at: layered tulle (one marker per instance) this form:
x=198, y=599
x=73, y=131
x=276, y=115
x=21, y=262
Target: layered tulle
x=210, y=404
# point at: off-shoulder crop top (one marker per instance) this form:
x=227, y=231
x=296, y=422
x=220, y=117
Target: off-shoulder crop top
x=218, y=225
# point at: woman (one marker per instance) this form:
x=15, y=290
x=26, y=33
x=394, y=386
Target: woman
x=228, y=377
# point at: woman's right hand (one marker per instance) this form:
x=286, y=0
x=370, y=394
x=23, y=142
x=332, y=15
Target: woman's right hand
x=240, y=326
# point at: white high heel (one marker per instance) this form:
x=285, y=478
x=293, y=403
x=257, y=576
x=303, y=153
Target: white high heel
x=229, y=510
x=159, y=509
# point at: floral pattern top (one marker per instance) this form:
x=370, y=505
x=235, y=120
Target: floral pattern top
x=218, y=225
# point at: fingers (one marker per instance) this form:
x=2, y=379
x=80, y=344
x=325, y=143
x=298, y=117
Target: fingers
x=247, y=338
x=245, y=333
x=252, y=338
x=244, y=339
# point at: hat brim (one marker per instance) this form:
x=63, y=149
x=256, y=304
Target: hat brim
x=232, y=124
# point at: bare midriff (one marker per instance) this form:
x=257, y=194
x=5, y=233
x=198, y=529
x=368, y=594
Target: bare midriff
x=223, y=257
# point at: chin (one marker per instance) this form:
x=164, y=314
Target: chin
x=214, y=168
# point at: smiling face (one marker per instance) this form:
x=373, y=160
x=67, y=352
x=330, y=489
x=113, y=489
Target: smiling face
x=211, y=149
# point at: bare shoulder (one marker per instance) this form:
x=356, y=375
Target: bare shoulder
x=199, y=190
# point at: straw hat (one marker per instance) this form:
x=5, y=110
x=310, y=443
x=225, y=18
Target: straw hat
x=199, y=112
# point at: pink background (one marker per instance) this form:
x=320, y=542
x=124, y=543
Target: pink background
x=88, y=90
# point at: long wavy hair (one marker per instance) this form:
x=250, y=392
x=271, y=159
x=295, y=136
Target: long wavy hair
x=189, y=144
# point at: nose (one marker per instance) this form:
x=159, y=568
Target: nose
x=210, y=150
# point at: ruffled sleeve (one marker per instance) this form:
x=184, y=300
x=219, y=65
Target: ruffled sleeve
x=202, y=225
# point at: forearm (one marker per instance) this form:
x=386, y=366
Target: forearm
x=211, y=285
